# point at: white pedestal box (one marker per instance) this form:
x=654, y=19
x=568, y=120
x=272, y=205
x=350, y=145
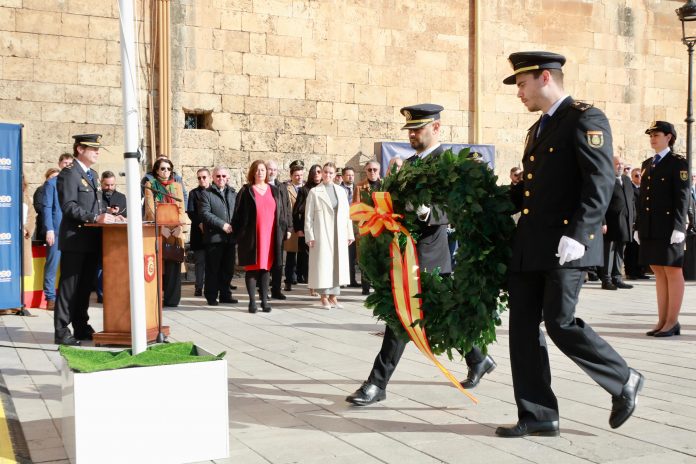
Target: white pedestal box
x=162, y=414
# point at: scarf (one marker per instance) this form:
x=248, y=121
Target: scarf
x=164, y=186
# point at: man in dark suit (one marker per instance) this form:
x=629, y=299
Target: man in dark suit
x=216, y=207
x=112, y=202
x=196, y=237
x=423, y=125
x=634, y=270
x=285, y=224
x=80, y=246
x=568, y=178
x=348, y=184
x=617, y=229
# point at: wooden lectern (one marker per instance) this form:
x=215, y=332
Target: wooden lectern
x=116, y=284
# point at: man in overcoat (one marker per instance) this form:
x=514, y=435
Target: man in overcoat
x=568, y=178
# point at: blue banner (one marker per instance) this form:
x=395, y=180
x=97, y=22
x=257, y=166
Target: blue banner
x=10, y=216
x=404, y=150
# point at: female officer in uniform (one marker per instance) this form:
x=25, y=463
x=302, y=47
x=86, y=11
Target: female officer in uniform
x=661, y=224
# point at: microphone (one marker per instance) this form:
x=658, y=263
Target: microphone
x=165, y=194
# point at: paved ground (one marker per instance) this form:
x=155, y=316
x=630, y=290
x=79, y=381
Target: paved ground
x=291, y=369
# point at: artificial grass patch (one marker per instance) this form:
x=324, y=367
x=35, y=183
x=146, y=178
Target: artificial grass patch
x=82, y=360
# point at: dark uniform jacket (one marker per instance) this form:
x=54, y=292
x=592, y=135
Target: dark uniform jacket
x=244, y=225
x=40, y=229
x=664, y=198
x=285, y=222
x=432, y=246
x=620, y=214
x=568, y=179
x=115, y=199
x=216, y=208
x=80, y=201
x=193, y=212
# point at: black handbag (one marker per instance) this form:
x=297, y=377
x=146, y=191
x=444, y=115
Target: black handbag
x=172, y=252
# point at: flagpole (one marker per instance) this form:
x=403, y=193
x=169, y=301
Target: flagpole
x=131, y=155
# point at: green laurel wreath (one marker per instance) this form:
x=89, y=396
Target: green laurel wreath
x=464, y=309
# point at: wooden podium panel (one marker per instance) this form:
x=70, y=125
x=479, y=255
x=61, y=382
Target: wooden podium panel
x=116, y=285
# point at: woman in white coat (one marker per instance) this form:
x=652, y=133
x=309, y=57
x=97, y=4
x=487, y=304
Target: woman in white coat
x=328, y=233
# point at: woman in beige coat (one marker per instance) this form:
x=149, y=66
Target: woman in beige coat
x=328, y=233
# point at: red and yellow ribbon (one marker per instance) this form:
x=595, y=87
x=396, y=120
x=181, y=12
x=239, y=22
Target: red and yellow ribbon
x=405, y=271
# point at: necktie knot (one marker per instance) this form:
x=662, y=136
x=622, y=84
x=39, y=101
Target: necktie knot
x=656, y=159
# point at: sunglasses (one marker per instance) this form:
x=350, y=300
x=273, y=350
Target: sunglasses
x=218, y=176
x=372, y=169
x=163, y=168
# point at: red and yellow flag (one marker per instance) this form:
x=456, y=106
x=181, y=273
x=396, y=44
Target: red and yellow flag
x=405, y=271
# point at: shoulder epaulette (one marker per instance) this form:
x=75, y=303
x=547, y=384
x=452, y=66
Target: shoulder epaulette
x=581, y=105
x=679, y=156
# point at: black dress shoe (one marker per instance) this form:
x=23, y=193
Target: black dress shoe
x=84, y=333
x=252, y=307
x=675, y=330
x=212, y=302
x=622, y=406
x=233, y=287
x=229, y=300
x=67, y=339
x=477, y=371
x=198, y=292
x=618, y=283
x=652, y=332
x=608, y=286
x=266, y=308
x=530, y=427
x=592, y=276
x=366, y=292
x=354, y=285
x=368, y=393
x=278, y=296
x=288, y=287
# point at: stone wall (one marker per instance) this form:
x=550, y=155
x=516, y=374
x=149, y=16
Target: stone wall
x=323, y=80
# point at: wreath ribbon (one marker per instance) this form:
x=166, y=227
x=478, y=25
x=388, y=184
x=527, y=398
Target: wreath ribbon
x=405, y=271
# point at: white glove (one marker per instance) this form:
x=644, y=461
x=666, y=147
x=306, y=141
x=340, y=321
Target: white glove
x=635, y=237
x=677, y=237
x=569, y=250
x=424, y=211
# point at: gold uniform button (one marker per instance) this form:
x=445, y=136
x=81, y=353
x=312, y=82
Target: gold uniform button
x=551, y=150
x=663, y=179
x=565, y=221
x=591, y=236
x=667, y=212
x=526, y=193
x=531, y=158
x=529, y=176
x=647, y=209
x=647, y=198
x=525, y=211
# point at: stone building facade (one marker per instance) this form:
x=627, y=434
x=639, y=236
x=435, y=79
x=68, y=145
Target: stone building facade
x=324, y=80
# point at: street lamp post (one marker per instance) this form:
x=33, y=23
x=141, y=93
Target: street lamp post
x=687, y=16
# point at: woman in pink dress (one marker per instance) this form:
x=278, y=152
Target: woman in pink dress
x=255, y=225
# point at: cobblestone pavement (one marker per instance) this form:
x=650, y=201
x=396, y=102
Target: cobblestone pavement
x=290, y=370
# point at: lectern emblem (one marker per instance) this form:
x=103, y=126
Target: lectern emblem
x=149, y=268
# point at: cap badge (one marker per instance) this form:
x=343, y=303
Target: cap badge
x=408, y=115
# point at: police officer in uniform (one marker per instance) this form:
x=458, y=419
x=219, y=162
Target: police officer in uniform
x=568, y=179
x=79, y=197
x=423, y=125
x=661, y=224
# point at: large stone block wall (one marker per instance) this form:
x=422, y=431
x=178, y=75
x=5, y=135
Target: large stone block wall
x=323, y=80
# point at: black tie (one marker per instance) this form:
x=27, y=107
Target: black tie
x=656, y=160
x=542, y=123
x=90, y=177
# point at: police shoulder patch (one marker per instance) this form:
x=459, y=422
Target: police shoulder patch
x=684, y=175
x=595, y=139
x=581, y=105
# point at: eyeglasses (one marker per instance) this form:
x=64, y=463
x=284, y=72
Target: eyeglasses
x=636, y=175
x=202, y=177
x=372, y=169
x=164, y=168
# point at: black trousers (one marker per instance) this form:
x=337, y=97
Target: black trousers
x=171, y=283
x=77, y=274
x=613, y=261
x=352, y=253
x=389, y=355
x=551, y=296
x=290, y=265
x=631, y=253
x=219, y=268
x=302, y=260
